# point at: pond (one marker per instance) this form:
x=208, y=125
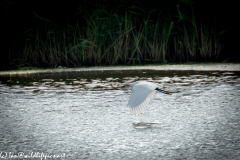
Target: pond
x=84, y=115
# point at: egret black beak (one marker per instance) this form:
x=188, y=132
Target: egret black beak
x=160, y=90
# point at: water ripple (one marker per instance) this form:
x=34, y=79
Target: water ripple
x=87, y=117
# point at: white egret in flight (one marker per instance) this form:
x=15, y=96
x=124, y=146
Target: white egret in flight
x=142, y=91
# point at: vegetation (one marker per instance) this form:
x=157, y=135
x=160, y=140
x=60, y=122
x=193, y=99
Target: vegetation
x=110, y=36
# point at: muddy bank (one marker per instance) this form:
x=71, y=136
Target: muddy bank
x=175, y=67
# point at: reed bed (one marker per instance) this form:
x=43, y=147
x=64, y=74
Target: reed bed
x=113, y=37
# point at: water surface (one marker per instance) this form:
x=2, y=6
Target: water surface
x=84, y=115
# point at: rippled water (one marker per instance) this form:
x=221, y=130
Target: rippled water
x=84, y=115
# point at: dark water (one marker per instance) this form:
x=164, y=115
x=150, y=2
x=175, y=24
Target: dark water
x=84, y=115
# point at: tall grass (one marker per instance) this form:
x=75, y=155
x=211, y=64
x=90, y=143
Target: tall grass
x=195, y=41
x=111, y=37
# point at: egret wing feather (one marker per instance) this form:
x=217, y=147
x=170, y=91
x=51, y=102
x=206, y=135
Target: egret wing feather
x=141, y=107
x=140, y=92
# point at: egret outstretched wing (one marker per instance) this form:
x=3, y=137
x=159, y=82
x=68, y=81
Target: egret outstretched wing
x=141, y=95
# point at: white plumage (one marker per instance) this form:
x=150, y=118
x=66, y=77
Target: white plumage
x=142, y=92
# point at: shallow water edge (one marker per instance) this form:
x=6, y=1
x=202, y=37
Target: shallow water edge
x=165, y=67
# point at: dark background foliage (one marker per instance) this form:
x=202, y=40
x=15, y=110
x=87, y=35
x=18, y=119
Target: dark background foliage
x=22, y=18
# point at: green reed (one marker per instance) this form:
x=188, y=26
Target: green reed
x=195, y=42
x=111, y=37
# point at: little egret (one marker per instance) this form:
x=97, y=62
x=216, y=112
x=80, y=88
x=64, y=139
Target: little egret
x=142, y=91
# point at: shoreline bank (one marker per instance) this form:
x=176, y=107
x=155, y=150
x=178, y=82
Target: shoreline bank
x=166, y=67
